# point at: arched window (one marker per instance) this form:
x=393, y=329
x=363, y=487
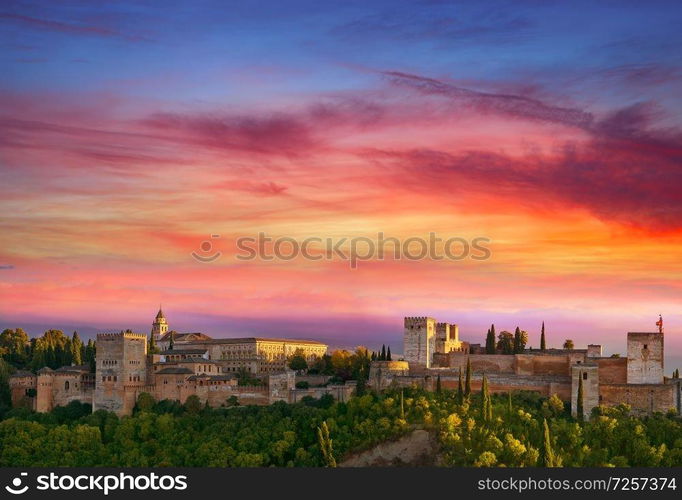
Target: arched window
x=66, y=385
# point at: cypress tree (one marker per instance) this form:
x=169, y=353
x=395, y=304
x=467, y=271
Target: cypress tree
x=388, y=354
x=151, y=348
x=325, y=443
x=518, y=348
x=402, y=405
x=76, y=348
x=467, y=380
x=484, y=402
x=383, y=353
x=490, y=341
x=510, y=406
x=439, y=389
x=543, y=344
x=460, y=388
x=548, y=457
x=171, y=343
x=580, y=406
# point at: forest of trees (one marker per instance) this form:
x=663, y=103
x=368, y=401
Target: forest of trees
x=52, y=349
x=478, y=430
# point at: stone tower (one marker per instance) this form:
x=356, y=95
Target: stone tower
x=645, y=358
x=160, y=326
x=419, y=340
x=121, y=367
x=589, y=373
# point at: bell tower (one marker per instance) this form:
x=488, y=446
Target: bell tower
x=160, y=326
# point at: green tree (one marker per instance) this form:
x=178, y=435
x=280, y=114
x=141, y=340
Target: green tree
x=505, y=342
x=568, y=344
x=325, y=443
x=543, y=343
x=549, y=459
x=520, y=340
x=145, y=402
x=14, y=346
x=486, y=402
x=467, y=379
x=297, y=361
x=580, y=404
x=490, y=341
x=460, y=388
x=402, y=405
x=76, y=349
x=382, y=356
x=388, y=354
x=171, y=342
x=439, y=388
x=193, y=404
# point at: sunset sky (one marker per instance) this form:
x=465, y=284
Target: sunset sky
x=131, y=132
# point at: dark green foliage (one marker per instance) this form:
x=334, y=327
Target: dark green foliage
x=580, y=405
x=169, y=434
x=467, y=380
x=490, y=341
x=543, y=342
x=297, y=361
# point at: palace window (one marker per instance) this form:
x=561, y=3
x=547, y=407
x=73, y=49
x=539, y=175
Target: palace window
x=584, y=376
x=66, y=385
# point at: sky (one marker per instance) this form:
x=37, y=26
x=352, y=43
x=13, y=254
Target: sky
x=132, y=132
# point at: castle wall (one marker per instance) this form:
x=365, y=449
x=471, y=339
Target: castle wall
x=68, y=387
x=612, y=370
x=19, y=391
x=383, y=373
x=644, y=398
x=645, y=358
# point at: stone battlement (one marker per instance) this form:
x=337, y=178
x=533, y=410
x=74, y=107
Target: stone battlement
x=127, y=335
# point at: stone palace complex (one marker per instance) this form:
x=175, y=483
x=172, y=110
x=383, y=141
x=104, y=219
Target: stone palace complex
x=186, y=364
x=433, y=350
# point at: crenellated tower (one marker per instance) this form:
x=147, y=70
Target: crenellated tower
x=419, y=340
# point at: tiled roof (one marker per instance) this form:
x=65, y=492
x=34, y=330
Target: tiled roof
x=175, y=370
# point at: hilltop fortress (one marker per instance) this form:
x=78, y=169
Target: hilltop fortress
x=184, y=364
x=433, y=350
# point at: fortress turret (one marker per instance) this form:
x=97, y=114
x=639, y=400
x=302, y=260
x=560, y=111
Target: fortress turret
x=419, y=340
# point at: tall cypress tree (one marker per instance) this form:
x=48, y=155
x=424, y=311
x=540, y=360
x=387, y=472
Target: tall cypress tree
x=388, y=354
x=439, y=388
x=490, y=341
x=467, y=380
x=543, y=344
x=484, y=396
x=460, y=388
x=402, y=405
x=580, y=406
x=510, y=406
x=383, y=353
x=76, y=349
x=548, y=457
x=518, y=347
